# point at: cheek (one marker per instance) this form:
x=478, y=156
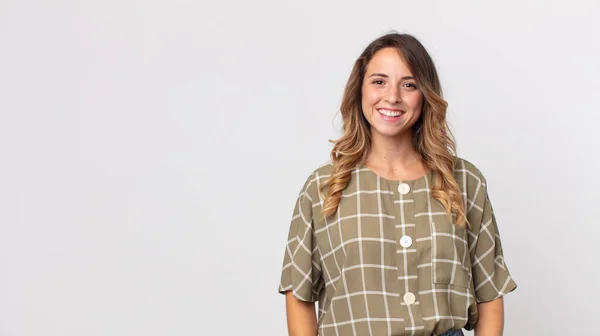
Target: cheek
x=369, y=97
x=416, y=101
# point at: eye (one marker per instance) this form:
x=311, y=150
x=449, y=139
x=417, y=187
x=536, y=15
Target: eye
x=378, y=82
x=410, y=86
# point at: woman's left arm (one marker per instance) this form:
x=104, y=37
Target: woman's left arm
x=491, y=278
x=491, y=318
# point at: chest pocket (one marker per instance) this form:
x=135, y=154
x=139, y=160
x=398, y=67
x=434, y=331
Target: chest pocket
x=450, y=258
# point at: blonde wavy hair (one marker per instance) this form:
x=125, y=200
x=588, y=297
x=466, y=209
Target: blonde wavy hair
x=432, y=138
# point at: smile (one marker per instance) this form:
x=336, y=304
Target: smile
x=390, y=113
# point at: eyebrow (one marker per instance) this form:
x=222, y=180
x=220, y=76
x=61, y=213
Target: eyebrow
x=386, y=76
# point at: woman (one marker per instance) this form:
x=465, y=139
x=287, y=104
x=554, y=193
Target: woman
x=396, y=235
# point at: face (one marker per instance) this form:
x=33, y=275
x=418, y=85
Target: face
x=391, y=100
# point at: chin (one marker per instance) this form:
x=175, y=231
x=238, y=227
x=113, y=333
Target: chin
x=392, y=133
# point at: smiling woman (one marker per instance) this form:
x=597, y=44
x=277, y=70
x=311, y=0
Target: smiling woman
x=396, y=235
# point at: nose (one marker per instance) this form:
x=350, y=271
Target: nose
x=393, y=96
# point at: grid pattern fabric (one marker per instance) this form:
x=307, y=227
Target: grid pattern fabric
x=390, y=261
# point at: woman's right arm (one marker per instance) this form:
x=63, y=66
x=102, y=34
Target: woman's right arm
x=301, y=317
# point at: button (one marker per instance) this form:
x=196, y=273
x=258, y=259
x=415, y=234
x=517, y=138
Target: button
x=403, y=188
x=409, y=298
x=405, y=241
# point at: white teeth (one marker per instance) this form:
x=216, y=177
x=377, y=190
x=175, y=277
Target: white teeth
x=390, y=113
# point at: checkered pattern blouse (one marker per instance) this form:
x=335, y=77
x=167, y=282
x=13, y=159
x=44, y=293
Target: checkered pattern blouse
x=390, y=261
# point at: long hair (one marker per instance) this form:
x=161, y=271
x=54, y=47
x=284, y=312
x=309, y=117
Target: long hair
x=432, y=139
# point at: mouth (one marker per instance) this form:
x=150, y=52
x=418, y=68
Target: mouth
x=389, y=114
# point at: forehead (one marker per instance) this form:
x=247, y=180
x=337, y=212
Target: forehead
x=390, y=62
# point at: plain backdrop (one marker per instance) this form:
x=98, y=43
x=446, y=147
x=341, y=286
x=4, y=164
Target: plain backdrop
x=151, y=152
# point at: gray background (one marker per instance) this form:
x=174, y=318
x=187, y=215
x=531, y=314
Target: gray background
x=151, y=152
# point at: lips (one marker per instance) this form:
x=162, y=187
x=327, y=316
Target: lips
x=391, y=115
x=390, y=112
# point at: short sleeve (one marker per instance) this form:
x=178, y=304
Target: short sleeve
x=491, y=278
x=301, y=271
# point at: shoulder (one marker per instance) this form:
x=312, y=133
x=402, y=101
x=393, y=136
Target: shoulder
x=315, y=178
x=465, y=168
x=470, y=179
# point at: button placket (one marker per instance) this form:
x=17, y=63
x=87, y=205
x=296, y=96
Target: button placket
x=406, y=241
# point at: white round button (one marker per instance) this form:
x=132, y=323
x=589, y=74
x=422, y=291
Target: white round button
x=409, y=298
x=403, y=188
x=405, y=241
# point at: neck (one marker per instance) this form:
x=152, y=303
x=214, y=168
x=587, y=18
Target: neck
x=393, y=154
